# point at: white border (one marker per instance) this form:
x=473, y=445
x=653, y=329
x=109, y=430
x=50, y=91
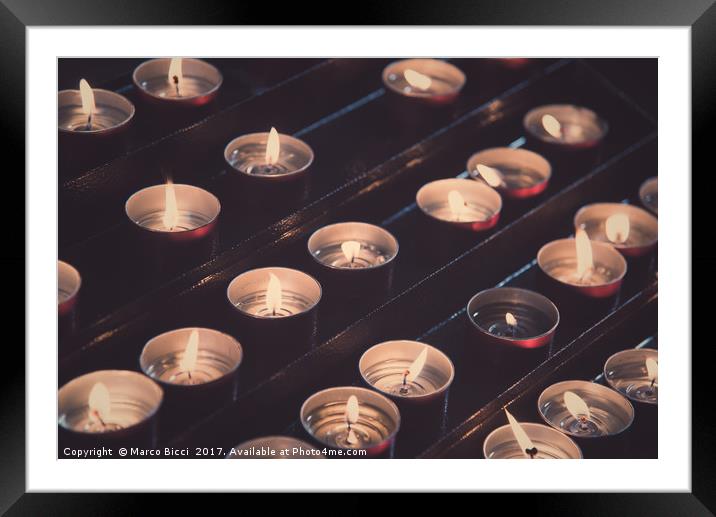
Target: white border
x=670, y=472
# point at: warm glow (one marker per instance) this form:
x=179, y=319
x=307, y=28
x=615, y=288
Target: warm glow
x=492, y=176
x=552, y=126
x=175, y=77
x=585, y=262
x=273, y=147
x=510, y=319
x=457, y=203
x=652, y=369
x=87, y=96
x=417, y=80
x=520, y=435
x=188, y=361
x=417, y=366
x=617, y=227
x=352, y=410
x=350, y=250
x=171, y=212
x=576, y=405
x=273, y=294
x=99, y=402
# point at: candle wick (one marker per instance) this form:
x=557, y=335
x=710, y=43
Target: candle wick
x=405, y=377
x=175, y=78
x=652, y=383
x=532, y=452
x=89, y=122
x=98, y=417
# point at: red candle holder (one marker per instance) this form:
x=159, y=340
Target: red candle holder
x=177, y=81
x=460, y=203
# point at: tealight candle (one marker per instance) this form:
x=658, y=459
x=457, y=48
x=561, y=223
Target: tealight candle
x=429, y=80
x=274, y=448
x=269, y=157
x=351, y=419
x=630, y=229
x=89, y=111
x=593, y=269
x=174, y=212
x=517, y=173
x=177, y=81
x=649, y=194
x=68, y=286
x=585, y=409
x=512, y=316
x=518, y=440
x=109, y=407
x=635, y=373
x=462, y=203
x=565, y=125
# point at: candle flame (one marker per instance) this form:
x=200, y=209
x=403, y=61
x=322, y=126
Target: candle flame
x=617, y=228
x=273, y=147
x=352, y=410
x=350, y=250
x=456, y=203
x=417, y=80
x=417, y=366
x=87, y=96
x=585, y=262
x=171, y=212
x=274, y=294
x=175, y=76
x=99, y=401
x=510, y=319
x=520, y=435
x=188, y=361
x=552, y=126
x=652, y=369
x=492, y=176
x=576, y=405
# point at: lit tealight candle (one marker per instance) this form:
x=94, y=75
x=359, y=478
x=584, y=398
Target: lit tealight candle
x=352, y=245
x=565, y=125
x=460, y=202
x=635, y=374
x=178, y=81
x=517, y=173
x=430, y=80
x=92, y=111
x=630, y=229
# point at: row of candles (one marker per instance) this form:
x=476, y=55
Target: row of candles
x=401, y=372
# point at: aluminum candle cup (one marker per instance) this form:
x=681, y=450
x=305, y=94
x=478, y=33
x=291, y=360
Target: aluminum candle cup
x=460, y=203
x=113, y=113
x=565, y=126
x=354, y=258
x=197, y=82
x=109, y=408
x=501, y=444
x=325, y=418
x=649, y=194
x=516, y=173
x=630, y=229
x=628, y=373
x=558, y=261
x=68, y=286
x=512, y=317
x=430, y=81
x=274, y=448
x=196, y=367
x=247, y=155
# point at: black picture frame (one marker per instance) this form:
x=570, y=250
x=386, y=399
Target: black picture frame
x=17, y=15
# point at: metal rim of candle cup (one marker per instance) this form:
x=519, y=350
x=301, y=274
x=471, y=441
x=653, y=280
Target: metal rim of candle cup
x=261, y=139
x=554, y=394
x=649, y=187
x=68, y=274
x=74, y=395
x=242, y=285
x=151, y=200
x=431, y=67
x=472, y=191
x=536, y=433
x=212, y=340
x=515, y=295
x=276, y=442
x=640, y=353
x=159, y=67
x=507, y=156
x=408, y=350
x=603, y=253
x=637, y=217
x=102, y=98
x=341, y=395
x=565, y=113
x=352, y=230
